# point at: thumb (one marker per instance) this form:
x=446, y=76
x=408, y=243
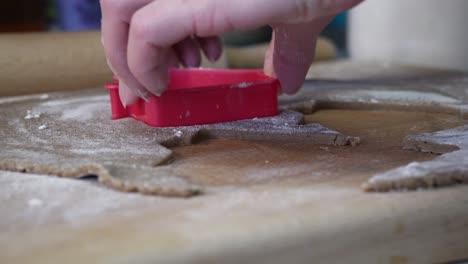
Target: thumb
x=291, y=52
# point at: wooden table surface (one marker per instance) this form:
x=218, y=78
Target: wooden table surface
x=265, y=203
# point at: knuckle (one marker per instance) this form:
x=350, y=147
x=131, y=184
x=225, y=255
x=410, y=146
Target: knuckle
x=210, y=18
x=140, y=29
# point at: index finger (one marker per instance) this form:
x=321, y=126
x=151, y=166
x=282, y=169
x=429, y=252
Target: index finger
x=116, y=16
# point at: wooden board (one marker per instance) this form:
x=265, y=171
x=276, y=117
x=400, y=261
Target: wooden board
x=268, y=202
x=265, y=203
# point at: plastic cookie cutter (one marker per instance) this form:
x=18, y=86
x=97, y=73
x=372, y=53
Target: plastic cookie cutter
x=203, y=96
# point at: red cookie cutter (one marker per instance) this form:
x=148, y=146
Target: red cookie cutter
x=203, y=96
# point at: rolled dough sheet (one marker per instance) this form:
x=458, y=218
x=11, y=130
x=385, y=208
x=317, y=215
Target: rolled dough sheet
x=71, y=135
x=373, y=87
x=448, y=169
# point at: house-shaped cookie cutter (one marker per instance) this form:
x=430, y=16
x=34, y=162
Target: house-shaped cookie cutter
x=203, y=96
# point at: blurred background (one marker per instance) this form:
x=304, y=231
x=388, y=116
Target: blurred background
x=427, y=33
x=52, y=45
x=46, y=15
x=84, y=15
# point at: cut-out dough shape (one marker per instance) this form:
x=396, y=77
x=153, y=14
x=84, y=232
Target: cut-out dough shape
x=435, y=94
x=73, y=136
x=448, y=169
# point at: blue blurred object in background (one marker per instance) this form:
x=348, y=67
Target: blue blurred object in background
x=336, y=31
x=78, y=15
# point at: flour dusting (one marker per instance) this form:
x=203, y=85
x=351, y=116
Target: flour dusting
x=32, y=115
x=34, y=202
x=402, y=96
x=449, y=169
x=75, y=100
x=15, y=99
x=60, y=200
x=242, y=85
x=82, y=112
x=178, y=133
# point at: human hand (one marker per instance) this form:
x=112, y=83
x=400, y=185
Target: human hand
x=144, y=38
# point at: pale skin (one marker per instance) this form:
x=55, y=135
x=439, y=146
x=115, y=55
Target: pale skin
x=143, y=39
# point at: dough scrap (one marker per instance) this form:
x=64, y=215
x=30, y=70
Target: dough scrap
x=448, y=169
x=79, y=139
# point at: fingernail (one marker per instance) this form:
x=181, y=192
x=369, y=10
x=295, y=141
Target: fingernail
x=211, y=58
x=191, y=61
x=291, y=84
x=268, y=69
x=290, y=77
x=161, y=86
x=123, y=93
x=143, y=95
x=213, y=53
